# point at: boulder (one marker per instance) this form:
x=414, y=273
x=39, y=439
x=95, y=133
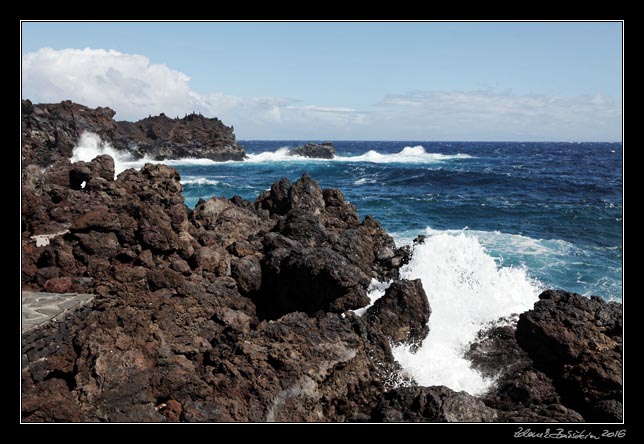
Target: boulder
x=577, y=341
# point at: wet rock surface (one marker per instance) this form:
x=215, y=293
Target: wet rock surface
x=431, y=404
x=402, y=313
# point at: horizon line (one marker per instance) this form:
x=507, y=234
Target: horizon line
x=428, y=141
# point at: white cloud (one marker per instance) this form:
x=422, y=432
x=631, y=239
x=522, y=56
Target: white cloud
x=494, y=115
x=95, y=77
x=135, y=88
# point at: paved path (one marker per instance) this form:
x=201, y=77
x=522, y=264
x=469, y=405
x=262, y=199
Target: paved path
x=39, y=308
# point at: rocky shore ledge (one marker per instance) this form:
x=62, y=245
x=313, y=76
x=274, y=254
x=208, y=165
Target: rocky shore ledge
x=242, y=311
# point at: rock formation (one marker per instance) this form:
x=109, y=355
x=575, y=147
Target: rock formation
x=50, y=132
x=194, y=319
x=324, y=150
x=577, y=342
x=161, y=137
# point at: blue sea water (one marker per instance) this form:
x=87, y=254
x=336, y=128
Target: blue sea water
x=554, y=209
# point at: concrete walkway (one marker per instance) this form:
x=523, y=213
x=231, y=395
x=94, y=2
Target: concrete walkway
x=40, y=308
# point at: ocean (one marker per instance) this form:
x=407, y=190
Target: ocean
x=503, y=221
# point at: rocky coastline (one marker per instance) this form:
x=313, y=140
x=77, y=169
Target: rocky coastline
x=244, y=311
x=50, y=132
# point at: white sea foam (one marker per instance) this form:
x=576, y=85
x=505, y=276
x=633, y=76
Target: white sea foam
x=279, y=155
x=364, y=180
x=90, y=145
x=466, y=289
x=415, y=154
x=199, y=181
x=515, y=243
x=409, y=154
x=376, y=291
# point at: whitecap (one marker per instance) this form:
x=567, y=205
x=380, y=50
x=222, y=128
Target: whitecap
x=199, y=181
x=364, y=180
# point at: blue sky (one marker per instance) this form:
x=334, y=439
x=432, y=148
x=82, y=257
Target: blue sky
x=403, y=81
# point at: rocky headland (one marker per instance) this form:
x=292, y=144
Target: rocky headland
x=50, y=132
x=243, y=311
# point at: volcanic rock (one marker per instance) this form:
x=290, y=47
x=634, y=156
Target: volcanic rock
x=431, y=404
x=324, y=150
x=51, y=131
x=402, y=313
x=577, y=341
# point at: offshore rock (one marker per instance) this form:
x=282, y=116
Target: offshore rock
x=324, y=150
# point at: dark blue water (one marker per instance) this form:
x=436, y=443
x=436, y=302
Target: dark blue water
x=553, y=208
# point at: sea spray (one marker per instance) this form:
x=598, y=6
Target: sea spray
x=90, y=145
x=466, y=289
x=375, y=291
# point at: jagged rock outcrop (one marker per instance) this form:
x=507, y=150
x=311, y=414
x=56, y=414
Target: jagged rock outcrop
x=50, y=132
x=324, y=150
x=562, y=361
x=177, y=330
x=520, y=393
x=161, y=137
x=577, y=342
x=402, y=313
x=431, y=404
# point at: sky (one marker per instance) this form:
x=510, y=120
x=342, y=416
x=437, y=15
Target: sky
x=447, y=81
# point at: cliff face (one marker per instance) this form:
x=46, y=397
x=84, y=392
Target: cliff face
x=50, y=131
